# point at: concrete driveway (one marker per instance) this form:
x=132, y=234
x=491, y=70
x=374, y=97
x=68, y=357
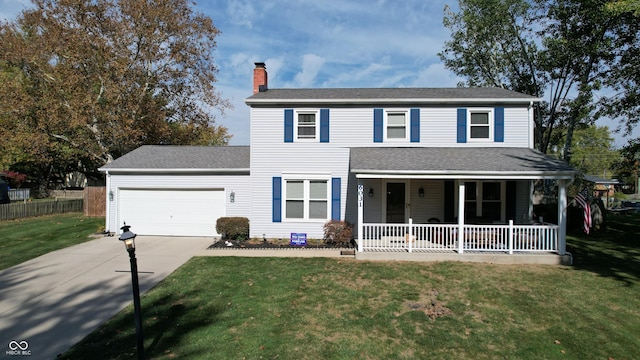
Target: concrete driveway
x=50, y=303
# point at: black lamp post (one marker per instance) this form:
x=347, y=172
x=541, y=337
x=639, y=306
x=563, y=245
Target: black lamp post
x=129, y=238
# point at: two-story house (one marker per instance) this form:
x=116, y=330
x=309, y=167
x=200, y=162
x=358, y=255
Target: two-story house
x=446, y=170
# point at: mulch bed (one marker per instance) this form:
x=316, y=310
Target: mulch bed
x=234, y=245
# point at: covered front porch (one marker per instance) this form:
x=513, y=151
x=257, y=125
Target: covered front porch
x=458, y=213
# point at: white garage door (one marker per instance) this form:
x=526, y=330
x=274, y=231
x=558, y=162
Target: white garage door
x=175, y=212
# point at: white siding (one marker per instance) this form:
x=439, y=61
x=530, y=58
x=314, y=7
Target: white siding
x=351, y=127
x=239, y=184
x=429, y=206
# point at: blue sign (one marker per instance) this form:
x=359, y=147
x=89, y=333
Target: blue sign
x=298, y=239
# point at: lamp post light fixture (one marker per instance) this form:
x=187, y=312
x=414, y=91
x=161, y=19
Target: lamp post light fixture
x=129, y=239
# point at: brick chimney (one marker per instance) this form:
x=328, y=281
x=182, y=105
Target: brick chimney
x=259, y=78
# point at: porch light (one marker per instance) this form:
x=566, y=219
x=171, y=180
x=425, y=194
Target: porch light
x=110, y=195
x=128, y=237
x=232, y=197
x=421, y=192
x=370, y=192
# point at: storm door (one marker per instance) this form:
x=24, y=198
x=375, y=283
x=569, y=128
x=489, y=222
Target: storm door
x=396, y=195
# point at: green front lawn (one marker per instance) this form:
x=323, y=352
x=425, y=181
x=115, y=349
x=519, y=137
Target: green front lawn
x=283, y=308
x=25, y=239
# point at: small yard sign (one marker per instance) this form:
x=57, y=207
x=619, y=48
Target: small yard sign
x=298, y=239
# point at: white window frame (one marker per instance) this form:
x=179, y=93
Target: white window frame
x=306, y=179
x=316, y=115
x=480, y=198
x=407, y=129
x=490, y=125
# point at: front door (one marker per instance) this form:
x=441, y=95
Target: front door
x=396, y=202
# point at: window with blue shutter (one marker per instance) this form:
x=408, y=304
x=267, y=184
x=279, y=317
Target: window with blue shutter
x=378, y=124
x=415, y=125
x=462, y=125
x=335, y=199
x=277, y=199
x=498, y=135
x=288, y=125
x=324, y=125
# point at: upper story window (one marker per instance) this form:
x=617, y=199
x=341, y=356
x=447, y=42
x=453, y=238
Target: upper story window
x=480, y=124
x=396, y=126
x=306, y=126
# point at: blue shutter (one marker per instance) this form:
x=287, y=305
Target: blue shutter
x=415, y=125
x=277, y=199
x=288, y=125
x=377, y=125
x=462, y=125
x=335, y=199
x=498, y=135
x=324, y=125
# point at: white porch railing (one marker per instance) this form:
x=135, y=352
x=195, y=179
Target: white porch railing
x=444, y=237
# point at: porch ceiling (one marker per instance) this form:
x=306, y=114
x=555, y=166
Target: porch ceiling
x=456, y=163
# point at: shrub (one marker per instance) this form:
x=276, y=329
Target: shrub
x=234, y=228
x=338, y=232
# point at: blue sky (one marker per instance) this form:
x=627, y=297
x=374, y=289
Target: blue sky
x=329, y=43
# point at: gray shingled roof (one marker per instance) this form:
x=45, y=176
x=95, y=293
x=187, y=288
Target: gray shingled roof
x=169, y=157
x=460, y=161
x=390, y=95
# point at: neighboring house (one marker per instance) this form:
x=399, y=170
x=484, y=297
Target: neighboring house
x=425, y=169
x=603, y=188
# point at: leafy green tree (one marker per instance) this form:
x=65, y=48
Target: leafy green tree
x=593, y=150
x=627, y=168
x=623, y=76
x=84, y=82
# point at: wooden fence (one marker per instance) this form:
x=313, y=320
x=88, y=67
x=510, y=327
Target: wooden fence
x=95, y=201
x=23, y=209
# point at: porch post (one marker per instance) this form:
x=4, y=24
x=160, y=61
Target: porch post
x=562, y=217
x=410, y=238
x=360, y=216
x=461, y=198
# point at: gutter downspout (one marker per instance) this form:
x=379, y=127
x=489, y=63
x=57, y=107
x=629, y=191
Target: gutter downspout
x=532, y=126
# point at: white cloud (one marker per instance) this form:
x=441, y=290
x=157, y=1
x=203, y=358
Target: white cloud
x=435, y=75
x=361, y=76
x=241, y=13
x=273, y=69
x=311, y=65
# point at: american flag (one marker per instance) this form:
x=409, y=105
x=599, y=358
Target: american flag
x=582, y=198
